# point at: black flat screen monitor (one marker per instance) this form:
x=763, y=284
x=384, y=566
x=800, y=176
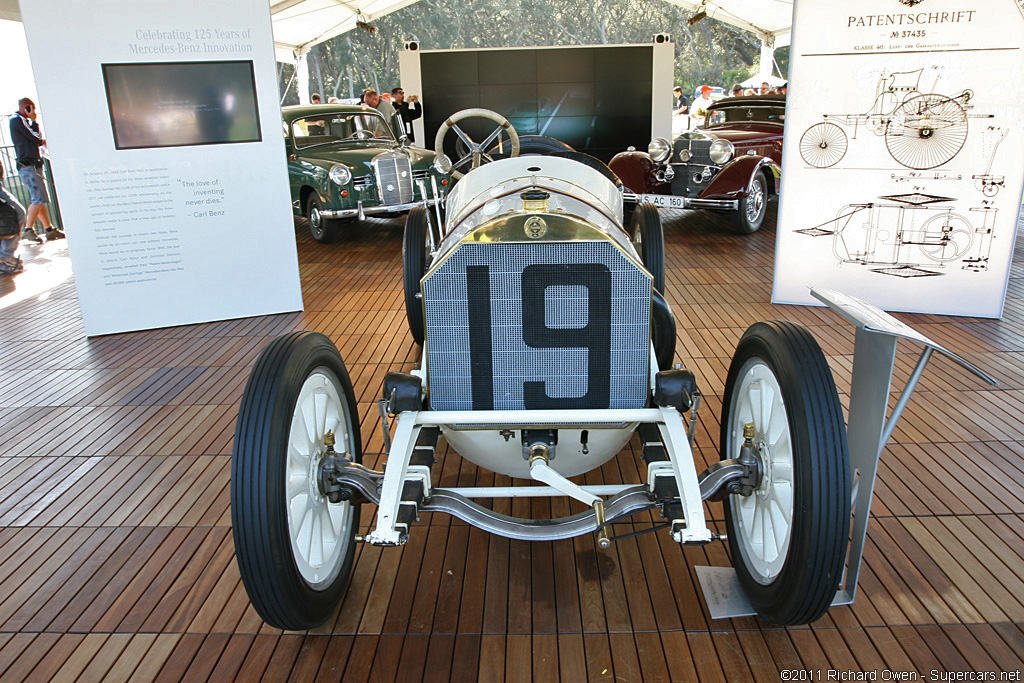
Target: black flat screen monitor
x=179, y=104
x=596, y=99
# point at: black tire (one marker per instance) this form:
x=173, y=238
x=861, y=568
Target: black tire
x=750, y=213
x=649, y=239
x=260, y=506
x=663, y=331
x=782, y=361
x=324, y=230
x=414, y=265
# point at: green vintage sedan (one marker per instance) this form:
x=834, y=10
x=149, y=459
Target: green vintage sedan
x=344, y=163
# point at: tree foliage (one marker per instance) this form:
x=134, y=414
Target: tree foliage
x=709, y=51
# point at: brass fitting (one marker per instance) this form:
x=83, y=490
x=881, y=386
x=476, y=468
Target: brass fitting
x=748, y=434
x=602, y=532
x=539, y=451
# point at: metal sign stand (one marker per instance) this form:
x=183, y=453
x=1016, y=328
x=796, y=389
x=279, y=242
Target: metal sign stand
x=874, y=356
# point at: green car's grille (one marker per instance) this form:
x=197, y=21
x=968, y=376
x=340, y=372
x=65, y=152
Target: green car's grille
x=394, y=179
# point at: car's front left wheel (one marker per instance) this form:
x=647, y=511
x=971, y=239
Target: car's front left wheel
x=324, y=230
x=294, y=547
x=414, y=264
x=788, y=536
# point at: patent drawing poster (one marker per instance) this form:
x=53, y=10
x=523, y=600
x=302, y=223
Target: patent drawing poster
x=902, y=170
x=164, y=131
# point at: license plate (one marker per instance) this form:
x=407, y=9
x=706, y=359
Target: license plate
x=663, y=201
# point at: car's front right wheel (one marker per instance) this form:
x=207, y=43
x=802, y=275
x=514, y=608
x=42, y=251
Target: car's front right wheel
x=752, y=208
x=788, y=536
x=649, y=239
x=324, y=230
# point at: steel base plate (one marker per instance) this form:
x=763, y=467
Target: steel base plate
x=723, y=593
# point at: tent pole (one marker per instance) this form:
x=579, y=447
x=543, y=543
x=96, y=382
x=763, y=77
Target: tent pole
x=767, y=57
x=302, y=73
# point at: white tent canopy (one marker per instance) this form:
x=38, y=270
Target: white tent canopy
x=301, y=24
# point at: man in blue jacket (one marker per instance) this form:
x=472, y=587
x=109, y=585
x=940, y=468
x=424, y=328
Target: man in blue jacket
x=27, y=140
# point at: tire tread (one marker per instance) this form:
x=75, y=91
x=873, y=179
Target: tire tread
x=827, y=530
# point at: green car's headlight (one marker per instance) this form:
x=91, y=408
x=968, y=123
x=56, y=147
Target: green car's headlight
x=721, y=151
x=340, y=175
x=659, y=150
x=443, y=164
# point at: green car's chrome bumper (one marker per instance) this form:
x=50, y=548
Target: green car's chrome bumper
x=360, y=211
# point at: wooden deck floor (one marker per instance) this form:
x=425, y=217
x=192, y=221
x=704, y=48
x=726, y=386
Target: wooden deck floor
x=116, y=557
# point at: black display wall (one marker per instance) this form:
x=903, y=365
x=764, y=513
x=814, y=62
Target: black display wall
x=597, y=99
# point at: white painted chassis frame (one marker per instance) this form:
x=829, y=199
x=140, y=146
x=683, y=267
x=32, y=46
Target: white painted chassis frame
x=670, y=425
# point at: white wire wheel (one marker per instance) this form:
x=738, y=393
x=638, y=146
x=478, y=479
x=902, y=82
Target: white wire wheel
x=295, y=548
x=788, y=538
x=318, y=529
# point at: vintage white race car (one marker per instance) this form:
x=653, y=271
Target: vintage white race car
x=547, y=344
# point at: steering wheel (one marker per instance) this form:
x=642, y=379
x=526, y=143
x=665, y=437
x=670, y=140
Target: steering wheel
x=476, y=153
x=361, y=135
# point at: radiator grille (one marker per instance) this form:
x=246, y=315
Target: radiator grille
x=700, y=149
x=689, y=180
x=394, y=179
x=580, y=340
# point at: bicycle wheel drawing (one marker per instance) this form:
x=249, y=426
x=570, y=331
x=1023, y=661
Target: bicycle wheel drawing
x=823, y=145
x=948, y=236
x=926, y=131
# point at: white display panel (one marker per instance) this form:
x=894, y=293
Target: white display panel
x=163, y=127
x=904, y=134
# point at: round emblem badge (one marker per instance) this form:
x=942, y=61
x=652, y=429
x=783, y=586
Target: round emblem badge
x=535, y=227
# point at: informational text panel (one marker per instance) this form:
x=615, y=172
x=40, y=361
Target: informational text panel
x=902, y=171
x=163, y=128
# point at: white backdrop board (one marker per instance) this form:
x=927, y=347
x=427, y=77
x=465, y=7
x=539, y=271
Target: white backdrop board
x=902, y=172
x=163, y=127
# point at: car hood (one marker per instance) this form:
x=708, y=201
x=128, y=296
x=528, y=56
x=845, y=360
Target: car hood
x=360, y=158
x=745, y=134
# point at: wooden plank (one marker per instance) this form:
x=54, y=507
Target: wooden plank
x=492, y=658
x=75, y=664
x=941, y=587
x=134, y=652
x=47, y=667
x=705, y=657
x=22, y=653
x=518, y=658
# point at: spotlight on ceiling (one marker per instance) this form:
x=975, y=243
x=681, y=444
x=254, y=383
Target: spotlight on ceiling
x=369, y=28
x=696, y=17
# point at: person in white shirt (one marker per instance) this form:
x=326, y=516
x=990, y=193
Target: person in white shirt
x=699, y=106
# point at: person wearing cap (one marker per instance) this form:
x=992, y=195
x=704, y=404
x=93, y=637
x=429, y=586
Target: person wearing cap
x=737, y=90
x=699, y=107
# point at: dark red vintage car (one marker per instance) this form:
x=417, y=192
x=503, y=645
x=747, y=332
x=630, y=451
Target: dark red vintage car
x=731, y=164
